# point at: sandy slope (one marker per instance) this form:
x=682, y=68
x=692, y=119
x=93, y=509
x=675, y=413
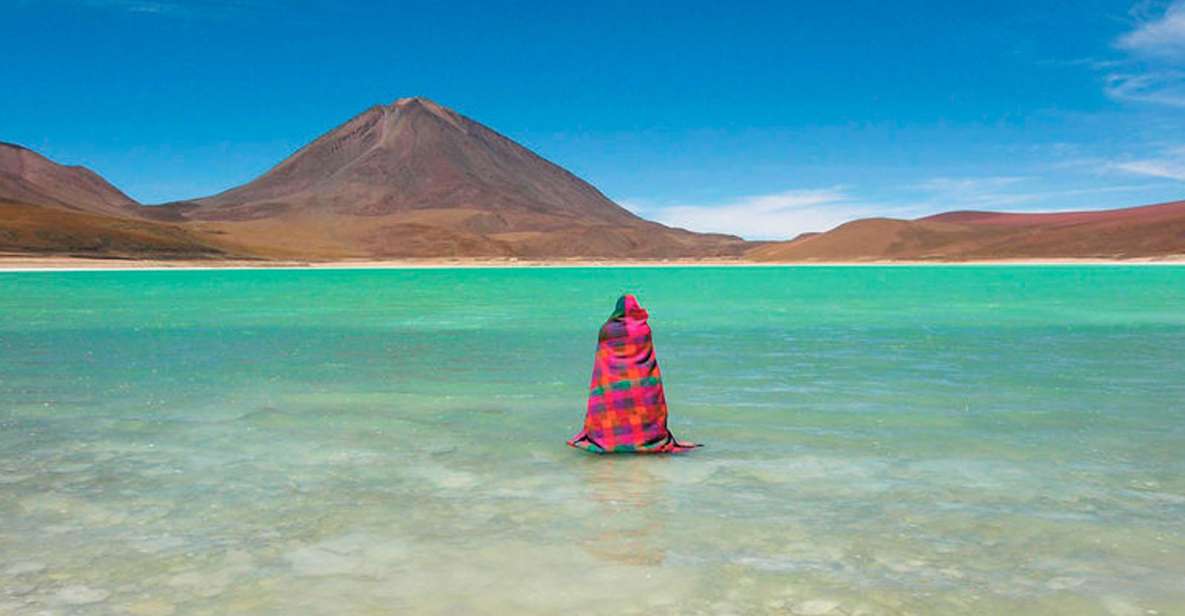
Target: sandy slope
x=28, y=229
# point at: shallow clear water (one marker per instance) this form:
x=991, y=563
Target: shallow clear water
x=880, y=440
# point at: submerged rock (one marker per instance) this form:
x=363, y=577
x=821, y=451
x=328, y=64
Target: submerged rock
x=1064, y=583
x=815, y=607
x=1118, y=606
x=151, y=607
x=153, y=545
x=354, y=554
x=22, y=568
x=82, y=595
x=20, y=590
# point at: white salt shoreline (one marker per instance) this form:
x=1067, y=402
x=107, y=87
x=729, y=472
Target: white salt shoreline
x=66, y=264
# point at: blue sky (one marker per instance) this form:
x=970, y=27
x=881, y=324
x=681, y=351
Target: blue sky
x=762, y=119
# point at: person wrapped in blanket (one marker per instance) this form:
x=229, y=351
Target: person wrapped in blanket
x=627, y=411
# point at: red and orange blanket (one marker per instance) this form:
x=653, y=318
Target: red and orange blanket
x=627, y=411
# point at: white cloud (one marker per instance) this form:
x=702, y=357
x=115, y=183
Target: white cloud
x=971, y=193
x=172, y=8
x=1159, y=87
x=1010, y=193
x=1170, y=165
x=1155, y=68
x=1157, y=168
x=137, y=6
x=1162, y=38
x=780, y=215
x=967, y=185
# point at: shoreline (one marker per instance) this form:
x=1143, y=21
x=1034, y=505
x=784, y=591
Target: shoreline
x=76, y=264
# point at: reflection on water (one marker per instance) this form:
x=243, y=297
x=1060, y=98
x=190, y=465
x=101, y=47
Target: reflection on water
x=897, y=441
x=627, y=524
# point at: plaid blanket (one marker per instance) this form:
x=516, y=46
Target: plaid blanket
x=627, y=411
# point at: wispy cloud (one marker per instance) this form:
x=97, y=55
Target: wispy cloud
x=1157, y=168
x=971, y=193
x=1001, y=193
x=1162, y=38
x=1170, y=164
x=169, y=8
x=1158, y=87
x=138, y=6
x=780, y=215
x=1154, y=71
x=976, y=185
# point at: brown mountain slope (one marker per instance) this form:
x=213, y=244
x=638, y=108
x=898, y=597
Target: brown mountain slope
x=414, y=179
x=28, y=177
x=30, y=229
x=1147, y=231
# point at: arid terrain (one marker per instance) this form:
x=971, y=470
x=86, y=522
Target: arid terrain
x=415, y=180
x=1140, y=232
x=27, y=229
x=50, y=209
x=406, y=180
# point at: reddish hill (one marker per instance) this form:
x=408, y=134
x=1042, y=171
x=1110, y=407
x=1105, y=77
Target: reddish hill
x=28, y=177
x=1147, y=231
x=52, y=209
x=414, y=179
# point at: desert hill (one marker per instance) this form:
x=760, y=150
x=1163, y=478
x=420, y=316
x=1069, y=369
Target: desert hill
x=1146, y=231
x=28, y=177
x=31, y=229
x=51, y=209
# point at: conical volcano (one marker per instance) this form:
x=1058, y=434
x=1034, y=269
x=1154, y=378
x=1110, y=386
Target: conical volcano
x=415, y=179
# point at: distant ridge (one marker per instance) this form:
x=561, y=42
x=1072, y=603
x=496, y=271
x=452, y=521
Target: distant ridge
x=28, y=177
x=52, y=209
x=1137, y=232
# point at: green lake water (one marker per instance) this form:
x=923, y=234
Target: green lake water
x=880, y=440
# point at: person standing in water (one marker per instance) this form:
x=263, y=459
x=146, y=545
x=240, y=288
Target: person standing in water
x=627, y=410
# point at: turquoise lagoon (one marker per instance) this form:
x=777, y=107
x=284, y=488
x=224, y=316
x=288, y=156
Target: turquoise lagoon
x=880, y=440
